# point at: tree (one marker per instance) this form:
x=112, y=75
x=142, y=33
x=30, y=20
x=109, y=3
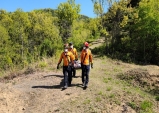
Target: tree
x=19, y=36
x=43, y=33
x=67, y=13
x=146, y=31
x=5, y=19
x=99, y=10
x=5, y=49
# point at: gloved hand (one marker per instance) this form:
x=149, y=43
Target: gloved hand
x=91, y=65
x=57, y=66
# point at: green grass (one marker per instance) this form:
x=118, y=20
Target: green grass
x=111, y=95
x=98, y=99
x=133, y=105
x=146, y=106
x=117, y=102
x=109, y=88
x=105, y=87
x=100, y=93
x=42, y=64
x=105, y=80
x=87, y=101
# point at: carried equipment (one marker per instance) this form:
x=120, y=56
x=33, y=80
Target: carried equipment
x=77, y=64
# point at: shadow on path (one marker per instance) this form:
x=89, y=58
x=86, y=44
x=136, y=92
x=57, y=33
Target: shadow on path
x=51, y=87
x=61, y=76
x=60, y=86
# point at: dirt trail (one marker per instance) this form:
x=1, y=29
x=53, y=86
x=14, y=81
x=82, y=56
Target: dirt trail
x=36, y=93
x=41, y=92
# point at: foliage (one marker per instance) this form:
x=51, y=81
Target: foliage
x=99, y=8
x=5, y=59
x=133, y=31
x=133, y=105
x=146, y=106
x=27, y=37
x=99, y=50
x=157, y=98
x=147, y=29
x=82, y=32
x=67, y=13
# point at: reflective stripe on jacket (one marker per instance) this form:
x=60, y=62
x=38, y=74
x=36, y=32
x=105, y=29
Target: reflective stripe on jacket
x=86, y=57
x=67, y=58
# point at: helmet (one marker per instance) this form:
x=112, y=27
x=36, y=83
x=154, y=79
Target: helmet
x=86, y=44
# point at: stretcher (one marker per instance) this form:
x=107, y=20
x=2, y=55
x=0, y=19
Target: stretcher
x=77, y=64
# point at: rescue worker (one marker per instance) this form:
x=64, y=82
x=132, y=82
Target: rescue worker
x=68, y=60
x=86, y=62
x=74, y=52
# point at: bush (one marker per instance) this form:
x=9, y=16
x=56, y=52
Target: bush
x=99, y=50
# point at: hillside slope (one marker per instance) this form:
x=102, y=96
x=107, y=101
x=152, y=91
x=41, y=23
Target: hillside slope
x=110, y=90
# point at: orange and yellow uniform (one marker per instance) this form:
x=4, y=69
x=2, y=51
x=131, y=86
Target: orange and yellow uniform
x=67, y=58
x=74, y=52
x=86, y=57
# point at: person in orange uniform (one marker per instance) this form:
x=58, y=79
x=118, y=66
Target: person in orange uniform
x=74, y=52
x=68, y=60
x=86, y=61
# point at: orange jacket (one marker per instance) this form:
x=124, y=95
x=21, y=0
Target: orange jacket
x=67, y=58
x=86, y=57
x=74, y=52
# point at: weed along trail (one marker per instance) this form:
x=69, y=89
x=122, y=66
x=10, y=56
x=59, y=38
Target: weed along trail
x=110, y=90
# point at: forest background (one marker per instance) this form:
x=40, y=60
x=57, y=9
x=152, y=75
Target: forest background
x=130, y=29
